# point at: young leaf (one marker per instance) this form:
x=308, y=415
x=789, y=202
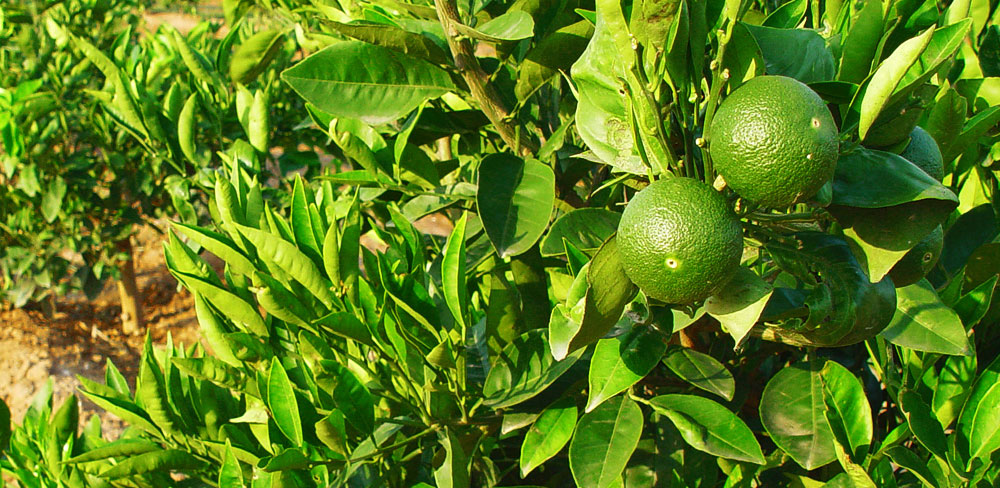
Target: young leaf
x=515, y=200
x=701, y=370
x=604, y=441
x=523, y=369
x=621, y=362
x=739, y=303
x=282, y=403
x=289, y=259
x=548, y=434
x=585, y=229
x=791, y=410
x=390, y=83
x=710, y=427
x=923, y=323
x=847, y=410
x=923, y=424
x=230, y=473
x=887, y=77
x=453, y=273
x=978, y=430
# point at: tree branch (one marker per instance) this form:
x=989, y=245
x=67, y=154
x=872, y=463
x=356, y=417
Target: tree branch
x=477, y=79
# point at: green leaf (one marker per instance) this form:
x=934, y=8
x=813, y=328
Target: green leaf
x=511, y=26
x=456, y=293
x=788, y=15
x=923, y=323
x=52, y=200
x=285, y=460
x=887, y=78
x=152, y=462
x=523, y=369
x=395, y=38
x=604, y=441
x=125, y=447
x=791, y=410
x=978, y=429
x=553, y=54
x=390, y=83
x=230, y=474
x=254, y=54
x=710, y=427
x=346, y=325
x=809, y=62
x=739, y=303
x=922, y=422
x=608, y=291
x=842, y=306
x=619, y=363
x=861, y=43
x=220, y=245
x=907, y=459
x=847, y=410
x=515, y=200
x=886, y=205
x=282, y=403
x=585, y=228
x=603, y=116
x=701, y=370
x=548, y=434
x=454, y=470
x=236, y=308
x=972, y=307
x=350, y=395
x=4, y=426
x=291, y=260
x=953, y=385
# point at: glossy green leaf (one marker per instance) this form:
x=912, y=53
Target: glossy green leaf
x=861, y=43
x=739, y=303
x=978, y=429
x=350, y=395
x=906, y=458
x=456, y=294
x=604, y=441
x=254, y=54
x=395, y=38
x=230, y=474
x=391, y=83
x=515, y=200
x=710, y=427
x=922, y=422
x=553, y=54
x=603, y=116
x=346, y=325
x=585, y=228
x=220, y=245
x=523, y=369
x=511, y=26
x=809, y=62
x=151, y=462
x=282, y=403
x=887, y=78
x=621, y=362
x=943, y=45
x=236, y=308
x=841, y=307
x=291, y=260
x=788, y=15
x=791, y=410
x=548, y=434
x=953, y=385
x=924, y=323
x=701, y=370
x=454, y=470
x=847, y=410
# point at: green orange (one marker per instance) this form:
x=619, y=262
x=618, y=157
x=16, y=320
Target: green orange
x=774, y=141
x=679, y=240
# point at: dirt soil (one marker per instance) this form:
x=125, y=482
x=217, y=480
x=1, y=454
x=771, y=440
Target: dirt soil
x=83, y=335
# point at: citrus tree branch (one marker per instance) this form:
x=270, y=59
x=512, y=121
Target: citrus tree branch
x=477, y=79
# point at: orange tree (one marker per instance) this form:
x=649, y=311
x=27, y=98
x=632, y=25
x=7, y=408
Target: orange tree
x=589, y=159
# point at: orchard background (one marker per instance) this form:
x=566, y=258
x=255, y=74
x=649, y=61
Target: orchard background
x=373, y=243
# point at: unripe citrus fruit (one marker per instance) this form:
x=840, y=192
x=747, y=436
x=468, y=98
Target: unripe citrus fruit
x=923, y=152
x=919, y=260
x=774, y=141
x=679, y=240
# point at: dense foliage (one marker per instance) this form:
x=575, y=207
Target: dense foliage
x=350, y=345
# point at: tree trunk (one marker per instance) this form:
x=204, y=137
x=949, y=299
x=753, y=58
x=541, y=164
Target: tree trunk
x=128, y=292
